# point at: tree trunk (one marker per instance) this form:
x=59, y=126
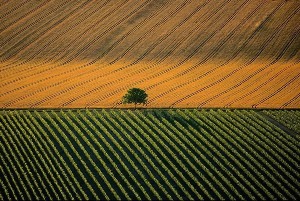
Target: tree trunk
x=134, y=106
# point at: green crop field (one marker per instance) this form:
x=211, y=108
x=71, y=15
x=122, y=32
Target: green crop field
x=149, y=154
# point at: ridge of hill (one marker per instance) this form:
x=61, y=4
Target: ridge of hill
x=184, y=53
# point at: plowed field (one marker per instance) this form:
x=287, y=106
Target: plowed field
x=184, y=53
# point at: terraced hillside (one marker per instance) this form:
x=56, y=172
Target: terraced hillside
x=147, y=155
x=184, y=53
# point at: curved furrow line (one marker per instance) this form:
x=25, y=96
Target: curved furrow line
x=69, y=71
x=227, y=76
x=174, y=29
x=82, y=35
x=285, y=105
x=75, y=39
x=136, y=43
x=277, y=91
x=218, y=47
x=44, y=15
x=171, y=68
x=68, y=79
x=14, y=9
x=87, y=45
x=254, y=33
x=132, y=84
x=139, y=40
x=277, y=30
x=199, y=46
x=120, y=21
x=213, y=34
x=239, y=26
x=18, y=46
x=295, y=53
x=144, y=54
x=19, y=19
x=64, y=31
x=122, y=88
x=258, y=87
x=118, y=41
x=296, y=34
x=56, y=66
x=17, y=63
x=236, y=53
x=230, y=35
x=273, y=77
x=25, y=15
x=45, y=34
x=73, y=86
x=161, y=22
x=115, y=44
x=178, y=43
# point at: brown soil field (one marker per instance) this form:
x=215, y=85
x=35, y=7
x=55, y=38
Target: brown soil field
x=184, y=53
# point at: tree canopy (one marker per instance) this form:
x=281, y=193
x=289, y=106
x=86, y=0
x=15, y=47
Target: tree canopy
x=136, y=96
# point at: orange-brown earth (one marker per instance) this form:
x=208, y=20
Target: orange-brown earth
x=184, y=53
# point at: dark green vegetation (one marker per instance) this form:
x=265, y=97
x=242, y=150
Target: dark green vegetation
x=289, y=119
x=136, y=96
x=147, y=154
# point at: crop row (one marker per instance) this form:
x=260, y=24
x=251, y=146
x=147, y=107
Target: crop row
x=164, y=37
x=112, y=93
x=289, y=119
x=247, y=63
x=205, y=59
x=69, y=71
x=61, y=82
x=21, y=98
x=103, y=22
x=151, y=154
x=80, y=18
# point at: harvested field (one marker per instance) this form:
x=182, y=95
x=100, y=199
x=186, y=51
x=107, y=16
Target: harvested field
x=184, y=53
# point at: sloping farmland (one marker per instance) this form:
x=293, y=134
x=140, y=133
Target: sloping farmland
x=184, y=53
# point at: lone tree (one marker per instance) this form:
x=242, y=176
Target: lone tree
x=136, y=96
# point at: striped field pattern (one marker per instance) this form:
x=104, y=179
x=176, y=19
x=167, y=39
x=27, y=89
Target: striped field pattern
x=147, y=155
x=184, y=53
